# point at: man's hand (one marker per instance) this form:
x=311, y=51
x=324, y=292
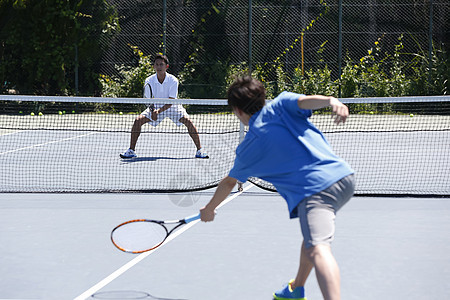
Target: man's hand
x=155, y=114
x=340, y=110
x=313, y=102
x=207, y=214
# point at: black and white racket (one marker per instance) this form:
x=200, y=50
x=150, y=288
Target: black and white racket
x=141, y=235
x=148, y=87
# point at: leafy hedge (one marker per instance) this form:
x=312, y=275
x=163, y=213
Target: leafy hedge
x=381, y=73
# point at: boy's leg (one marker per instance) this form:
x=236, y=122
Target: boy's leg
x=327, y=271
x=304, y=269
x=136, y=130
x=193, y=133
x=318, y=231
x=317, y=217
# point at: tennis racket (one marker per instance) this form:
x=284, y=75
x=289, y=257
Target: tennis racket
x=142, y=235
x=148, y=91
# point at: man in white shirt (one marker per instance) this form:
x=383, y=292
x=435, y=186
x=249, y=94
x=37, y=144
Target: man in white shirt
x=162, y=85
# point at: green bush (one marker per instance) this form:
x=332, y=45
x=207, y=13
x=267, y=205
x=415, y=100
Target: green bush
x=434, y=81
x=130, y=81
x=380, y=73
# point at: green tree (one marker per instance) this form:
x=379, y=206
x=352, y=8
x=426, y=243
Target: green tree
x=204, y=74
x=40, y=40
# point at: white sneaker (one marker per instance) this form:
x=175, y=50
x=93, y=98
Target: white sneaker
x=201, y=154
x=128, y=154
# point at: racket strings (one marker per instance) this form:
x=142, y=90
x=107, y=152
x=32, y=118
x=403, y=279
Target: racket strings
x=139, y=236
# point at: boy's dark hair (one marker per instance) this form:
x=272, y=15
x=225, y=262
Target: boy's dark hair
x=161, y=56
x=247, y=94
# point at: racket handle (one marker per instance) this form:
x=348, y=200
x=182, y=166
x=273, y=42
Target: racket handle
x=192, y=218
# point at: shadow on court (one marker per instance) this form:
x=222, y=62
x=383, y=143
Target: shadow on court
x=125, y=294
x=141, y=159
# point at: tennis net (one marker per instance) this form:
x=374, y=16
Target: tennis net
x=72, y=144
x=397, y=146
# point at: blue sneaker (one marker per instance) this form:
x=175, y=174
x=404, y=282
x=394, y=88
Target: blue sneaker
x=128, y=154
x=288, y=294
x=201, y=154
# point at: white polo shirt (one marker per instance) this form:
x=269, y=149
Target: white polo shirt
x=168, y=89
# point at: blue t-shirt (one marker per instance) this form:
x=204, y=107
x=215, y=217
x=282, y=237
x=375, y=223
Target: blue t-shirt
x=284, y=148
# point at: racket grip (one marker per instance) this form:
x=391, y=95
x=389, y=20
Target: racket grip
x=192, y=218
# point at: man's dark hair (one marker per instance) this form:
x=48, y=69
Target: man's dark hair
x=161, y=56
x=247, y=94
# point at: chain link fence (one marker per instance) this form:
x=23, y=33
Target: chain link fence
x=206, y=41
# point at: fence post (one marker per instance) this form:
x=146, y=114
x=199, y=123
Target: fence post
x=430, y=44
x=76, y=69
x=340, y=49
x=164, y=26
x=250, y=62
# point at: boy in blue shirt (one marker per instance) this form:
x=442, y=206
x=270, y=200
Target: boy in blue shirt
x=283, y=147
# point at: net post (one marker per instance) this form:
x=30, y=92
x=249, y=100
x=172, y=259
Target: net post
x=241, y=138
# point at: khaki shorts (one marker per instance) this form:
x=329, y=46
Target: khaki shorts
x=317, y=213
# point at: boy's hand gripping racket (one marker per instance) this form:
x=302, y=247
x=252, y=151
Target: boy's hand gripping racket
x=141, y=235
x=148, y=93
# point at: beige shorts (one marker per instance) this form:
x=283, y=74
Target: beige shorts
x=317, y=212
x=175, y=113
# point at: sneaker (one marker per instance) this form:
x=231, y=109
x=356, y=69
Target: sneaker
x=201, y=154
x=288, y=294
x=128, y=154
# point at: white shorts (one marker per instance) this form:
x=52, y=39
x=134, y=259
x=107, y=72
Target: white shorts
x=175, y=113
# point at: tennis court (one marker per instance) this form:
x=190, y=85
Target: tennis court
x=56, y=246
x=64, y=188
x=71, y=88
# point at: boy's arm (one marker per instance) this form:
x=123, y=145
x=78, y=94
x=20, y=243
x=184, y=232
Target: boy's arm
x=155, y=113
x=340, y=110
x=208, y=212
x=166, y=106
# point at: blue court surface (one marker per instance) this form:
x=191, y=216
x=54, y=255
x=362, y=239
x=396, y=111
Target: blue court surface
x=57, y=246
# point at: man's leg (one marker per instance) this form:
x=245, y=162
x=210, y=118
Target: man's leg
x=136, y=130
x=317, y=217
x=193, y=133
x=327, y=271
x=304, y=269
x=295, y=288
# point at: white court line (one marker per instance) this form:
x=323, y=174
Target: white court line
x=3, y=134
x=133, y=262
x=48, y=143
